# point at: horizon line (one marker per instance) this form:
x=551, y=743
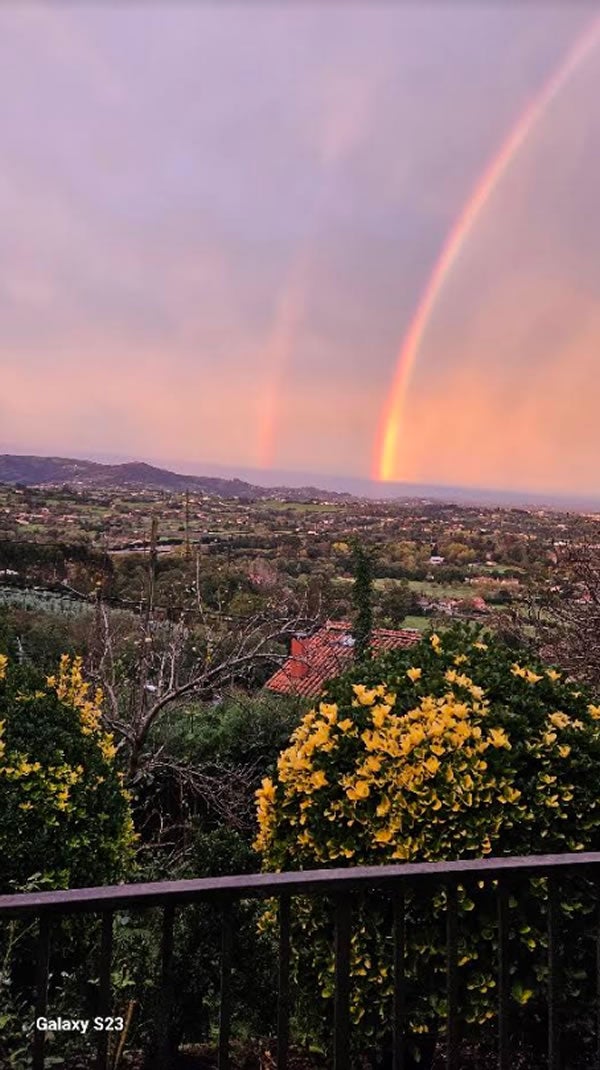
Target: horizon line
x=311, y=480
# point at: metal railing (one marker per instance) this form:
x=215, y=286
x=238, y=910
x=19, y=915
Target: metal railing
x=339, y=885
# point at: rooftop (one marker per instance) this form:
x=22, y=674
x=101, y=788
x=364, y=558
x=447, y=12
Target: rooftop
x=317, y=658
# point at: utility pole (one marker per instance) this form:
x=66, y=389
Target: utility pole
x=152, y=564
x=187, y=550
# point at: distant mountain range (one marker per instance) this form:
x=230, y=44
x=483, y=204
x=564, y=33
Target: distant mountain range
x=292, y=486
x=136, y=475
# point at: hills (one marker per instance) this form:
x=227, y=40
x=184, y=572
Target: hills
x=32, y=471
x=137, y=475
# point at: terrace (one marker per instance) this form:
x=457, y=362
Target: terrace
x=342, y=887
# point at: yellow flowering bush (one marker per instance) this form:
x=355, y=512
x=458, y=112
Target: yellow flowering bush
x=65, y=814
x=448, y=750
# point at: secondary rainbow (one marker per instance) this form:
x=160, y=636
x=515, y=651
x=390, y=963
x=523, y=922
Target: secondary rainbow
x=390, y=423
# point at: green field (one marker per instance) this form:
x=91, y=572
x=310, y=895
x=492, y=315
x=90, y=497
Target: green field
x=432, y=589
x=420, y=623
x=442, y=590
x=295, y=507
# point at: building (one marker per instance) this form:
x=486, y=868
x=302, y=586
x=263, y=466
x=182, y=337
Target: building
x=316, y=658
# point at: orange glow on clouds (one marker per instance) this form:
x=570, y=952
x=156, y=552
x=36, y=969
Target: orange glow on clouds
x=510, y=427
x=394, y=425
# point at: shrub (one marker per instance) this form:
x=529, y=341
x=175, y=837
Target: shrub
x=65, y=814
x=65, y=823
x=451, y=749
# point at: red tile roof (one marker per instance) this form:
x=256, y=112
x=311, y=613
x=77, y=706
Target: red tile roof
x=317, y=658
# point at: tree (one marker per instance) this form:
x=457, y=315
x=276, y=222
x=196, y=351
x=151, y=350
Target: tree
x=362, y=599
x=450, y=749
x=396, y=602
x=560, y=616
x=196, y=654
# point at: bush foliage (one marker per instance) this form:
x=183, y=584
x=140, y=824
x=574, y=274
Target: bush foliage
x=65, y=813
x=450, y=749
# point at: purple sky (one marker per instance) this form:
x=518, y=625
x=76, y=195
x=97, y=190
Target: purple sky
x=216, y=223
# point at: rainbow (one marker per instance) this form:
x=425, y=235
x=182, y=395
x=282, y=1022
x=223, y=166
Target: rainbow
x=278, y=354
x=391, y=419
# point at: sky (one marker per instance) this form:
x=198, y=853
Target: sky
x=217, y=222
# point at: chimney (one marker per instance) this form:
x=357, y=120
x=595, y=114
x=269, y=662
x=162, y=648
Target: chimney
x=297, y=666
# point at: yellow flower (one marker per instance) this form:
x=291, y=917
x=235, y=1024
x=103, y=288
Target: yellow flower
x=383, y=836
x=564, y=750
x=436, y=643
x=267, y=790
x=499, y=738
x=559, y=720
x=318, y=779
x=384, y=807
x=346, y=724
x=379, y=715
x=460, y=659
x=553, y=675
x=360, y=790
x=108, y=748
x=510, y=794
x=366, y=696
x=525, y=674
x=532, y=677
x=480, y=646
x=594, y=712
x=329, y=710
x=3, y=665
x=414, y=674
x=432, y=765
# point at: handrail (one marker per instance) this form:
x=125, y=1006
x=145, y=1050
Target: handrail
x=265, y=885
x=338, y=885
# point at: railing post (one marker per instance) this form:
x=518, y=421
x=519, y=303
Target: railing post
x=597, y=891
x=504, y=1032
x=41, y=989
x=399, y=1026
x=452, y=974
x=341, y=1020
x=225, y=995
x=283, y=999
x=164, y=1053
x=553, y=975
x=104, y=992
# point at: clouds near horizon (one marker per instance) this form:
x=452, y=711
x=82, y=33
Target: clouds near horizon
x=217, y=221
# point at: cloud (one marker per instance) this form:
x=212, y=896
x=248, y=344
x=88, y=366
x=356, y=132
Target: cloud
x=216, y=222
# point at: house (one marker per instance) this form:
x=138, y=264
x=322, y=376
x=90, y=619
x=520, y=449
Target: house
x=316, y=658
x=447, y=606
x=479, y=605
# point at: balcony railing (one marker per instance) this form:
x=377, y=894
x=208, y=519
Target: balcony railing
x=339, y=885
